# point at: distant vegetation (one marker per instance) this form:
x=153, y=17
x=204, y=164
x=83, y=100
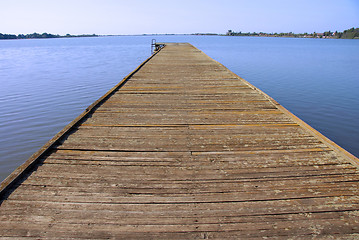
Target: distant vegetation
x=352, y=33
x=38, y=35
x=349, y=34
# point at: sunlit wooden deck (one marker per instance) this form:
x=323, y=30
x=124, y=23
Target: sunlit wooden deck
x=181, y=149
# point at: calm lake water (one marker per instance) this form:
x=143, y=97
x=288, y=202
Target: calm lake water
x=46, y=83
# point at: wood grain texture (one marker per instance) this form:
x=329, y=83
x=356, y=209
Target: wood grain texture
x=186, y=149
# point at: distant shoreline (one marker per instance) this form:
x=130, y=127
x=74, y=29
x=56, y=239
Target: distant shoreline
x=41, y=36
x=352, y=33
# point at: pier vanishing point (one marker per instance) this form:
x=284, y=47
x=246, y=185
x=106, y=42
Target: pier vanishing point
x=183, y=148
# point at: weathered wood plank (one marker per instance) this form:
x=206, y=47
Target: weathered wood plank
x=186, y=149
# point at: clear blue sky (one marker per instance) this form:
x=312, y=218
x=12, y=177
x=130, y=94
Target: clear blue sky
x=176, y=16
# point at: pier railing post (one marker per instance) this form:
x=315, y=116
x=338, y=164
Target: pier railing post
x=153, y=45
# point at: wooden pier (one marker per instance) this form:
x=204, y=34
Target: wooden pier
x=183, y=148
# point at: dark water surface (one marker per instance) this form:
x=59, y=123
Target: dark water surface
x=46, y=83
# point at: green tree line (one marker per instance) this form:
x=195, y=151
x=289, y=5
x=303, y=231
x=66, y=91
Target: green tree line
x=38, y=35
x=352, y=33
x=349, y=34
